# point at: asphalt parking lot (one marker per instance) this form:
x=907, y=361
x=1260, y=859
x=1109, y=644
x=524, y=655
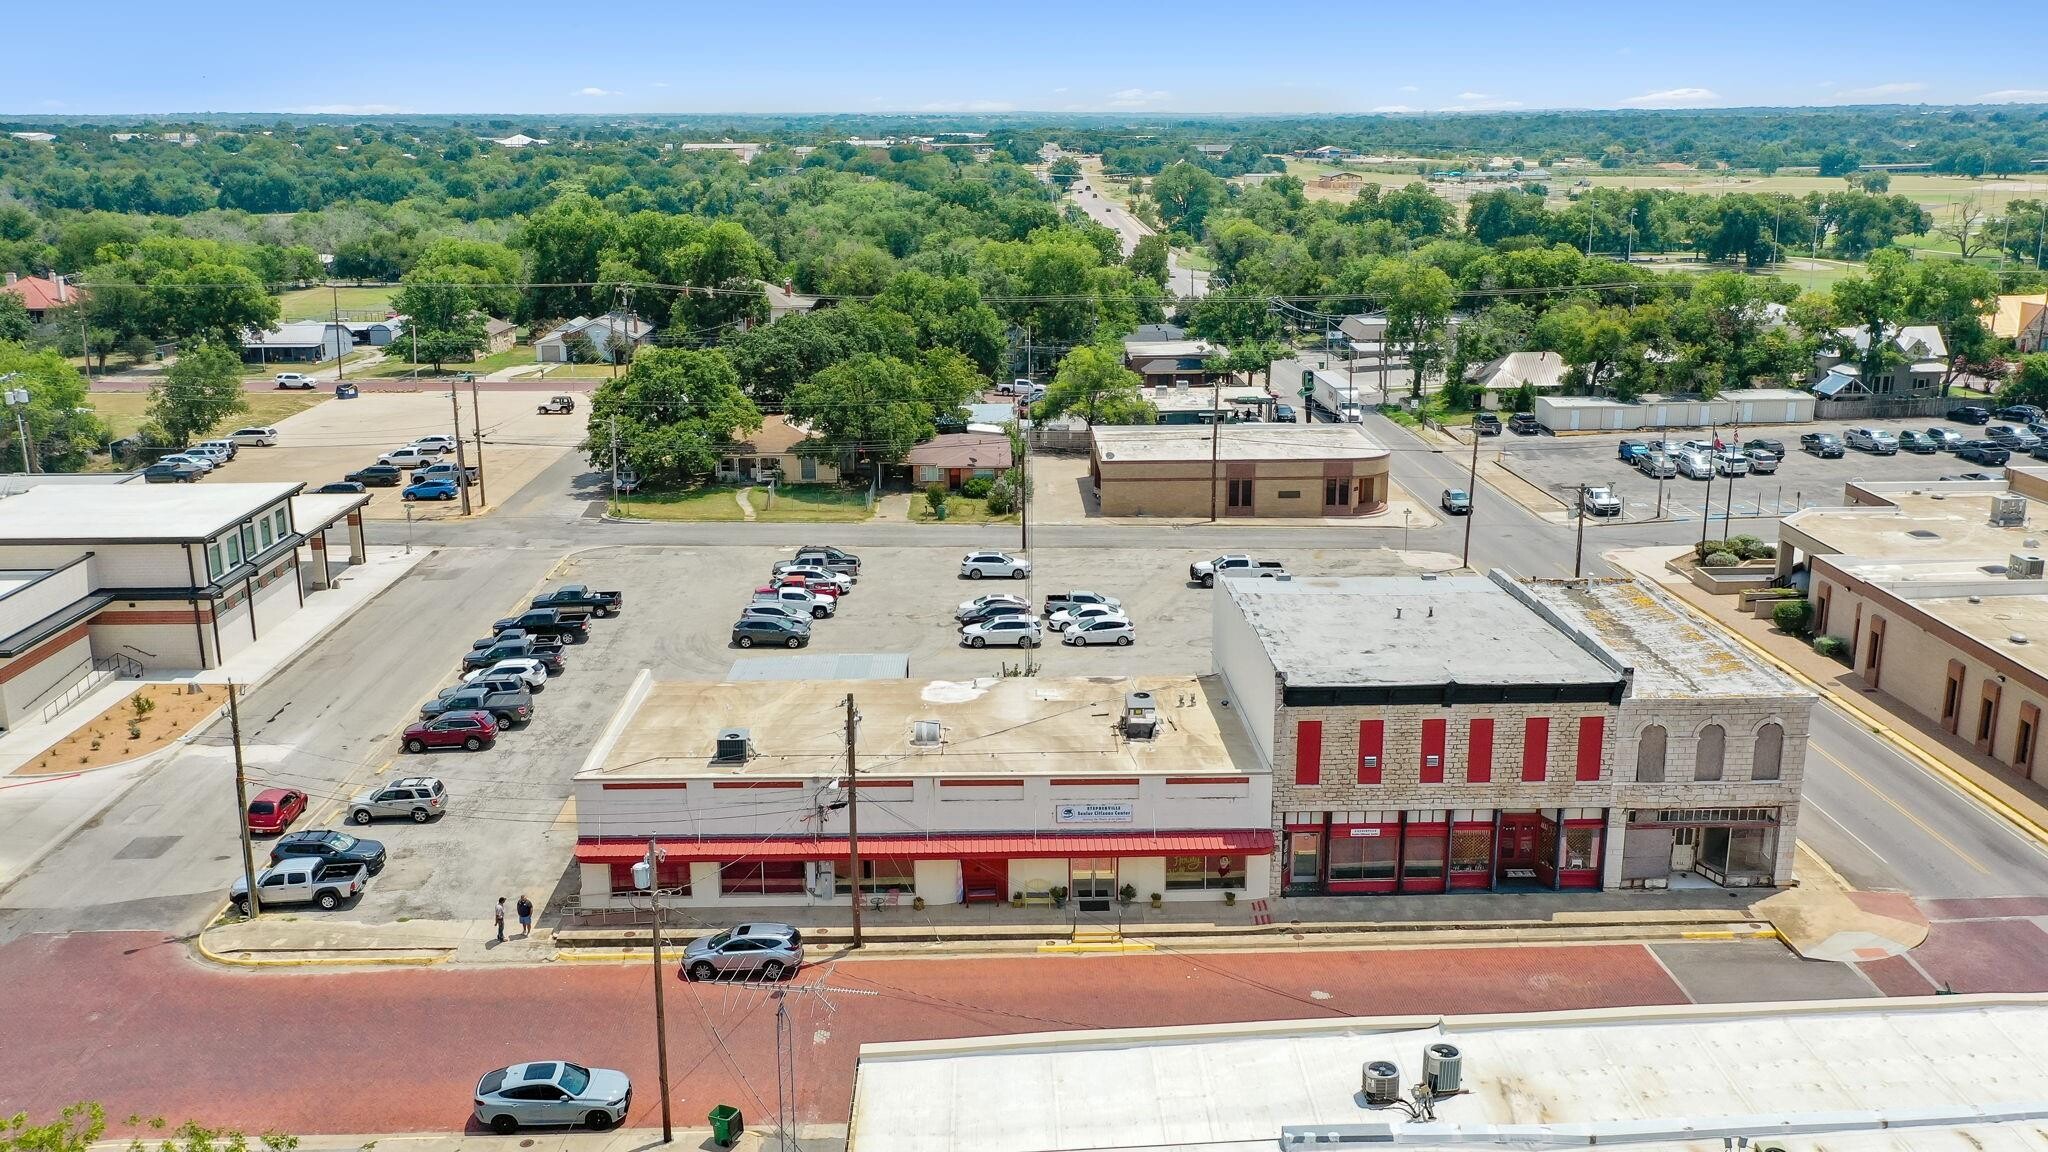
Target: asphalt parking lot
x=510, y=827
x=1559, y=464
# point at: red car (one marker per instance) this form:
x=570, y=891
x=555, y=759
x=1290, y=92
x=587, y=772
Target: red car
x=470, y=729
x=274, y=809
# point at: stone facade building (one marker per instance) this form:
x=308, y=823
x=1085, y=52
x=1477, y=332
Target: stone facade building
x=1440, y=734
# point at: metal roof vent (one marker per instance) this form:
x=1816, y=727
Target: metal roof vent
x=1380, y=1082
x=925, y=733
x=1924, y=534
x=733, y=747
x=2008, y=511
x=1141, y=716
x=2017, y=638
x=2023, y=566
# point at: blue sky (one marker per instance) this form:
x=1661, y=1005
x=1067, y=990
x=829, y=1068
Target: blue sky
x=1217, y=56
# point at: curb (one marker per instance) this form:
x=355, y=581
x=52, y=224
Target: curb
x=1998, y=806
x=199, y=943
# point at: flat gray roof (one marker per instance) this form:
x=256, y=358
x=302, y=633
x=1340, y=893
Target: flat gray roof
x=1670, y=653
x=1395, y=631
x=88, y=513
x=1157, y=442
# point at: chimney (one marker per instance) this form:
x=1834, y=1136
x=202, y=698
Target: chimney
x=11, y=277
x=63, y=290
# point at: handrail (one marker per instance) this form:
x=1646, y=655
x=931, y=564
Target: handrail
x=102, y=669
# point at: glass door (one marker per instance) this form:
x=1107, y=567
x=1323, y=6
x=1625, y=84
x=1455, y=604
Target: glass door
x=1094, y=883
x=1304, y=861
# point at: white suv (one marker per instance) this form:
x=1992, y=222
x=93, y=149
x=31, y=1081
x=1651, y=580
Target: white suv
x=1695, y=464
x=297, y=380
x=976, y=565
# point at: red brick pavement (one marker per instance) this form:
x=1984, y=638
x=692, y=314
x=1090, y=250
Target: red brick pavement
x=1986, y=955
x=1985, y=908
x=130, y=1020
x=1896, y=976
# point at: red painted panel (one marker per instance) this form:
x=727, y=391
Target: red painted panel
x=1592, y=731
x=1535, y=747
x=1432, y=762
x=1372, y=736
x=1479, y=752
x=1308, y=752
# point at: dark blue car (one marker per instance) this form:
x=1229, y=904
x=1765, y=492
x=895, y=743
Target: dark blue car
x=1633, y=450
x=436, y=489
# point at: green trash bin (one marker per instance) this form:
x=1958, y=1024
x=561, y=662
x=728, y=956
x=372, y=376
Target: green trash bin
x=727, y=1124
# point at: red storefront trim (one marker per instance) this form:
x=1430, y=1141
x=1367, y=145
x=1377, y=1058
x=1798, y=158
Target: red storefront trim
x=757, y=784
x=1208, y=779
x=994, y=783
x=1231, y=842
x=1096, y=781
x=643, y=785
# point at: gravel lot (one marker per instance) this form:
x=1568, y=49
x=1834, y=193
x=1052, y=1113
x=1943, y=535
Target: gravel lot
x=509, y=823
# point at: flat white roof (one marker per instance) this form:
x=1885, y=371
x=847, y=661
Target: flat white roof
x=131, y=513
x=1162, y=442
x=1671, y=654
x=1900, y=1075
x=315, y=510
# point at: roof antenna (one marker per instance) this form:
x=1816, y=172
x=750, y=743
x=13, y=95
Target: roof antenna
x=1397, y=613
x=1432, y=611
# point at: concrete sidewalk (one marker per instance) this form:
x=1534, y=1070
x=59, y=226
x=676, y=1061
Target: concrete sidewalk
x=760, y=1134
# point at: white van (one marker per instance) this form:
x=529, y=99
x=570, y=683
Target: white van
x=254, y=437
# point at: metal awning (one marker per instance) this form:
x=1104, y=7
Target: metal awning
x=1231, y=842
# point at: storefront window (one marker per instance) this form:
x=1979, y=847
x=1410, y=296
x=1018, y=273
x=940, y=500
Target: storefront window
x=876, y=875
x=1366, y=857
x=1582, y=848
x=761, y=878
x=1422, y=856
x=234, y=550
x=1472, y=850
x=1192, y=872
x=1546, y=847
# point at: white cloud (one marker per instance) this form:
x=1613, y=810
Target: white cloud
x=1395, y=108
x=1671, y=97
x=1137, y=98
x=1481, y=102
x=1410, y=88
x=1878, y=91
x=53, y=103
x=1473, y=96
x=595, y=91
x=2016, y=96
x=350, y=109
x=661, y=84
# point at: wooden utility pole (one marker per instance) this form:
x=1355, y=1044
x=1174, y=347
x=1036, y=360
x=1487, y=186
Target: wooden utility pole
x=853, y=813
x=668, y=1134
x=242, y=802
x=461, y=472
x=341, y=361
x=1215, y=441
x=1471, y=498
x=476, y=420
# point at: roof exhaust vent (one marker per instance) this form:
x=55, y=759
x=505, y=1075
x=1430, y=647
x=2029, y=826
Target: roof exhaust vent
x=2017, y=638
x=2008, y=511
x=926, y=733
x=733, y=747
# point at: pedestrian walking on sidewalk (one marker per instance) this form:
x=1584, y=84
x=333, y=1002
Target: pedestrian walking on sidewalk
x=501, y=919
x=525, y=916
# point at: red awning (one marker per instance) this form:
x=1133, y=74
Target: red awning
x=1247, y=842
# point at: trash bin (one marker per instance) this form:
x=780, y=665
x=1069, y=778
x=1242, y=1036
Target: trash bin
x=727, y=1124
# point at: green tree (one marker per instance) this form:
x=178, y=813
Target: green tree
x=1093, y=383
x=1877, y=302
x=1185, y=193
x=563, y=244
x=1417, y=299
x=208, y=301
x=2029, y=383
x=1149, y=259
x=870, y=407
x=15, y=326
x=1594, y=340
x=1065, y=167
x=201, y=389
x=676, y=411
x=441, y=317
x=62, y=426
x=1233, y=315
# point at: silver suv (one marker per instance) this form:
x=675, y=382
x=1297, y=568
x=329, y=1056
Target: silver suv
x=771, y=950
x=420, y=797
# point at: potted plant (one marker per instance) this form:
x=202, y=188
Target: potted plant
x=1126, y=894
x=1017, y=899
x=917, y=902
x=1230, y=897
x=1158, y=901
x=1058, y=892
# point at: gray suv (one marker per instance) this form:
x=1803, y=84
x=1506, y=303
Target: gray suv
x=421, y=798
x=770, y=950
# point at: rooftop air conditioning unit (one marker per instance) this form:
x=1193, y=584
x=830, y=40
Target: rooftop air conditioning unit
x=2008, y=511
x=926, y=733
x=1381, y=1083
x=733, y=746
x=1141, y=716
x=1443, y=1067
x=2023, y=566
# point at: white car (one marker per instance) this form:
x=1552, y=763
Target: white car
x=1694, y=464
x=1080, y=612
x=410, y=456
x=819, y=606
x=967, y=607
x=1100, y=630
x=976, y=565
x=213, y=452
x=295, y=380
x=255, y=437
x=531, y=673
x=198, y=460
x=1020, y=631
x=1731, y=462
x=224, y=446
x=1019, y=387
x=438, y=442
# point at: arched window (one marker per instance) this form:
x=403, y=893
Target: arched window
x=1770, y=752
x=1707, y=759
x=1650, y=755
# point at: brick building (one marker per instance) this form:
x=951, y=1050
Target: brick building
x=1263, y=470
x=1457, y=733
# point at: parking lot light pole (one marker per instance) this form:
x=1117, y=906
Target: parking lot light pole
x=1579, y=549
x=648, y=877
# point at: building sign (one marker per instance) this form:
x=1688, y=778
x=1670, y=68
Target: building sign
x=1101, y=813
x=1361, y=832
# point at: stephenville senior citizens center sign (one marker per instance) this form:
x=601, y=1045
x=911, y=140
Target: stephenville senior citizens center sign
x=1111, y=813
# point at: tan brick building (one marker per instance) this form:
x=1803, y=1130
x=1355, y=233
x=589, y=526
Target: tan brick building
x=1443, y=734
x=1254, y=470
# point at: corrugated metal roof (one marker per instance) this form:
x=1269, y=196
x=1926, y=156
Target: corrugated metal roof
x=1249, y=842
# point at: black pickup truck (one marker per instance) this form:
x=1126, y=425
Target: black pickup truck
x=547, y=650
x=580, y=596
x=572, y=625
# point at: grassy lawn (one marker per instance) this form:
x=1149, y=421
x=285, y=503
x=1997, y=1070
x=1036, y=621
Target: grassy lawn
x=124, y=412
x=395, y=364
x=959, y=510
x=708, y=502
x=809, y=503
x=319, y=303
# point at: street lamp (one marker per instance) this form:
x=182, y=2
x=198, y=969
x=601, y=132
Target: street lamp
x=644, y=878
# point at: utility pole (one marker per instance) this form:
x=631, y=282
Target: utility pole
x=341, y=361
x=615, y=461
x=653, y=878
x=1579, y=549
x=1471, y=498
x=461, y=473
x=853, y=813
x=17, y=399
x=476, y=420
x=1024, y=494
x=242, y=801
x=1215, y=442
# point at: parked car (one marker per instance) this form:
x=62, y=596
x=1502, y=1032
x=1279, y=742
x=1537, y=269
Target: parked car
x=771, y=950
x=537, y=643
x=1976, y=476
x=2017, y=439
x=446, y=470
x=1015, y=387
x=1062, y=600
x=968, y=606
x=778, y=611
x=1763, y=463
x=571, y=624
x=197, y=460
x=515, y=648
x=1117, y=630
x=470, y=730
x=174, y=473
x=378, y=476
x=1632, y=450
x=1970, y=414
x=580, y=596
x=528, y=671
x=222, y=449
x=439, y=442
x=1524, y=424
x=274, y=809
x=1825, y=445
x=812, y=576
x=1695, y=464
x=1917, y=443
x=429, y=490
x=2040, y=451
x=1058, y=621
x=254, y=437
x=1657, y=465
x=976, y=565
x=1456, y=502
x=1947, y=439
x=507, y=706
x=1764, y=444
x=1284, y=414
x=1021, y=631
x=328, y=844
x=1204, y=572
x=295, y=380
x=417, y=798
x=556, y=406
x=547, y=1093
x=1731, y=462
x=410, y=456
x=827, y=556
x=1984, y=452
x=323, y=883
x=749, y=631
x=996, y=610
x=1600, y=501
x=2020, y=413
x=340, y=488
x=1484, y=423
x=1872, y=440
x=817, y=604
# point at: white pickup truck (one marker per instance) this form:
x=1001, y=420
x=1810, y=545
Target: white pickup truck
x=1602, y=502
x=1204, y=572
x=303, y=880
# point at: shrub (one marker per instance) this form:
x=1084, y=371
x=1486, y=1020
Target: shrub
x=1721, y=560
x=1743, y=546
x=1831, y=646
x=1762, y=552
x=977, y=486
x=935, y=498
x=1002, y=497
x=1791, y=616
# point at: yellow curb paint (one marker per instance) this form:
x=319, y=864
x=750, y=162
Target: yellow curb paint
x=310, y=961
x=1119, y=946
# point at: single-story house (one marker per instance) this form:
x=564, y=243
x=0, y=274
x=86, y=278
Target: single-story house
x=1542, y=371
x=376, y=333
x=629, y=330
x=499, y=335
x=42, y=295
x=299, y=342
x=1170, y=362
x=785, y=300
x=951, y=458
x=1340, y=181
x=2022, y=319
x=771, y=453
x=1924, y=368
